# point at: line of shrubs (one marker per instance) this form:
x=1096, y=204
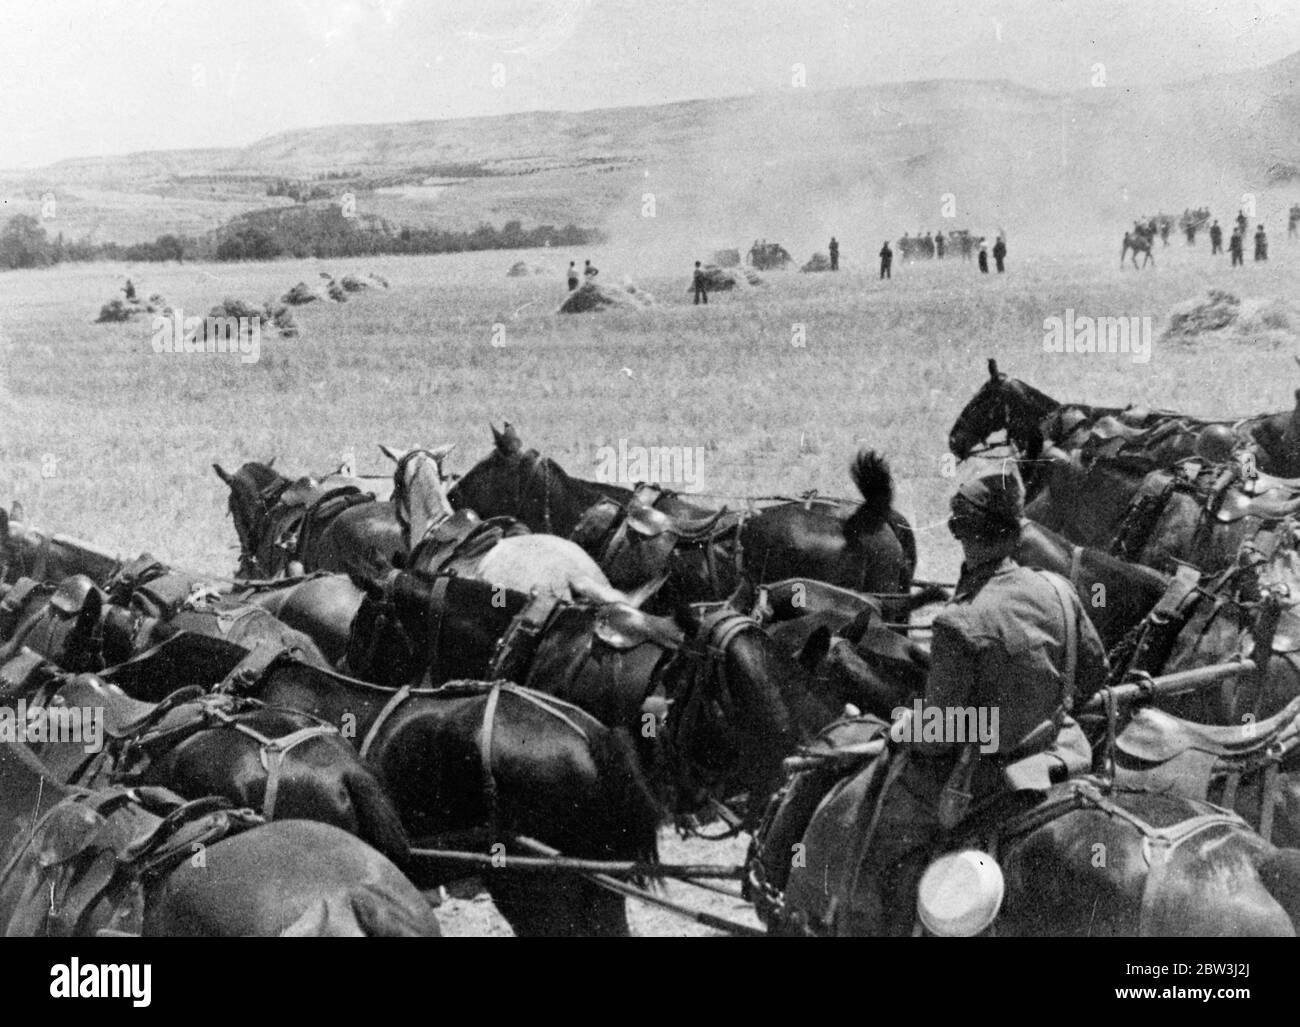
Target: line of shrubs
x=305, y=231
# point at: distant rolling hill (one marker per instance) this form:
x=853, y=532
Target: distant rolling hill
x=1055, y=170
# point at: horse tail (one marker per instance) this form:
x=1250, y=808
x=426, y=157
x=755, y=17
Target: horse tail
x=871, y=474
x=377, y=819
x=630, y=811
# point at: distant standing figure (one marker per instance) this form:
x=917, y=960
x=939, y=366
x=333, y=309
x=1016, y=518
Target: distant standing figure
x=129, y=289
x=835, y=254
x=939, y=245
x=1235, y=247
x=1000, y=253
x=1216, y=239
x=984, y=257
x=886, y=260
x=588, y=270
x=1293, y=220
x=1261, y=244
x=701, y=293
x=1241, y=223
x=573, y=275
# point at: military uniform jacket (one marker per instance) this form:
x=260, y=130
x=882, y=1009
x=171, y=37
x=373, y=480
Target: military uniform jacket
x=1001, y=643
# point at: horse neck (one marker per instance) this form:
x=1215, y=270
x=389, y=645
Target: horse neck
x=562, y=499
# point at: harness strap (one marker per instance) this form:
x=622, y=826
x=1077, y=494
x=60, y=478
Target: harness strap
x=250, y=670
x=437, y=614
x=390, y=707
x=273, y=754
x=485, y=760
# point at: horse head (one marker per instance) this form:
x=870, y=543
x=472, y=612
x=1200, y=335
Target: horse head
x=254, y=490
x=739, y=704
x=419, y=489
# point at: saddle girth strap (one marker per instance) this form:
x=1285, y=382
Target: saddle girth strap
x=518, y=645
x=390, y=707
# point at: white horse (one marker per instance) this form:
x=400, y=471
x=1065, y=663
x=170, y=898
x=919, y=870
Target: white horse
x=524, y=563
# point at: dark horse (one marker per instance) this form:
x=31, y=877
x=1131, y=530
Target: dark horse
x=142, y=861
x=280, y=761
x=474, y=764
x=1174, y=866
x=1118, y=447
x=864, y=545
x=737, y=702
x=287, y=526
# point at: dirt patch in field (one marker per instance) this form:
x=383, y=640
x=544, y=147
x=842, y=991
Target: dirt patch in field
x=467, y=911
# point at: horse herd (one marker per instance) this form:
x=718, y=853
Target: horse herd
x=519, y=660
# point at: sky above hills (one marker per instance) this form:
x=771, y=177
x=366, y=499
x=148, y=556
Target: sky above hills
x=90, y=77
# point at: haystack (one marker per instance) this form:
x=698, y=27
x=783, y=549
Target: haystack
x=116, y=310
x=726, y=258
x=1221, y=315
x=592, y=296
x=719, y=279
x=300, y=294
x=819, y=262
x=519, y=269
x=351, y=283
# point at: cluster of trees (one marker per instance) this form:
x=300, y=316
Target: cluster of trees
x=299, y=192
x=24, y=243
x=318, y=231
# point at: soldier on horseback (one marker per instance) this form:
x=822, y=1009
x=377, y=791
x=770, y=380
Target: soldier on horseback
x=1013, y=640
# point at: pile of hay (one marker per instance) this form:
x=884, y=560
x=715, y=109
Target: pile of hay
x=300, y=294
x=726, y=258
x=116, y=310
x=1220, y=314
x=591, y=296
x=124, y=310
x=719, y=279
x=270, y=314
x=819, y=262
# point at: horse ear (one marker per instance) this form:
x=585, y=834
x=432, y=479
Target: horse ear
x=508, y=440
x=394, y=455
x=271, y=462
x=993, y=369
x=439, y=453
x=16, y=512
x=815, y=649
x=222, y=473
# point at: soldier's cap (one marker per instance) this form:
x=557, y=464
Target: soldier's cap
x=994, y=495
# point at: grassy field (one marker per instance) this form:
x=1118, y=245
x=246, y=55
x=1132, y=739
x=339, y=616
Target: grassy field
x=132, y=433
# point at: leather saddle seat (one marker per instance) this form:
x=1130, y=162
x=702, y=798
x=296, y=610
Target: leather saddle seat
x=460, y=538
x=124, y=717
x=624, y=627
x=1154, y=736
x=108, y=845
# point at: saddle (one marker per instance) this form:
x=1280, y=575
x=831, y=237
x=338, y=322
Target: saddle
x=1154, y=736
x=624, y=627
x=461, y=538
x=612, y=534
x=109, y=845
x=184, y=658
x=124, y=717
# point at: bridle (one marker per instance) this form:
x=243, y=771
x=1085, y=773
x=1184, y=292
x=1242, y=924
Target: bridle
x=401, y=497
x=259, y=517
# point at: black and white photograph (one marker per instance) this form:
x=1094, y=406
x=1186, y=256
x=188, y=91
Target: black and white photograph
x=602, y=469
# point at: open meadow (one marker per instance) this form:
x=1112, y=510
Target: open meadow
x=779, y=384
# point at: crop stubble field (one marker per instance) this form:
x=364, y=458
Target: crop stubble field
x=132, y=433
